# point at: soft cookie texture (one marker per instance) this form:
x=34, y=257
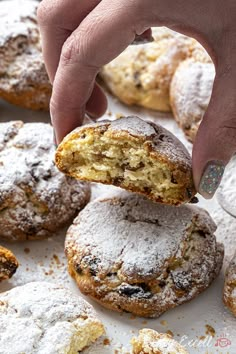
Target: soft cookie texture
x=142, y=74
x=152, y=342
x=8, y=263
x=35, y=198
x=42, y=318
x=133, y=255
x=229, y=294
x=23, y=77
x=190, y=92
x=130, y=153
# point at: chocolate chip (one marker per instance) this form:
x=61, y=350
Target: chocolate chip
x=141, y=291
x=78, y=269
x=173, y=180
x=92, y=263
x=117, y=181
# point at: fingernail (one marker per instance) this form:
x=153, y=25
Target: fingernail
x=88, y=118
x=55, y=139
x=211, y=178
x=140, y=39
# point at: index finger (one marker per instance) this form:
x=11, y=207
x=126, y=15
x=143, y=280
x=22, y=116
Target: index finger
x=101, y=36
x=57, y=20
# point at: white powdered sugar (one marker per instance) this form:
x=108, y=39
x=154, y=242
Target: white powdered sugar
x=134, y=234
x=135, y=255
x=35, y=198
x=42, y=318
x=23, y=79
x=191, y=91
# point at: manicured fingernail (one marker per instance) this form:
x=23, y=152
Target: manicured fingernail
x=141, y=39
x=54, y=139
x=211, y=178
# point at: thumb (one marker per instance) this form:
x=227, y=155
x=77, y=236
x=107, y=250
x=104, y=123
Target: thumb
x=216, y=138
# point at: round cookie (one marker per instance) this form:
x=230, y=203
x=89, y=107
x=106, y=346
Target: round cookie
x=152, y=342
x=132, y=255
x=130, y=153
x=44, y=318
x=142, y=74
x=35, y=198
x=190, y=92
x=23, y=77
x=8, y=263
x=229, y=292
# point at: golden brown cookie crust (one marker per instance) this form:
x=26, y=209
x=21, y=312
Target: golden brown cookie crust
x=133, y=255
x=23, y=77
x=229, y=292
x=35, y=198
x=130, y=153
x=8, y=263
x=142, y=74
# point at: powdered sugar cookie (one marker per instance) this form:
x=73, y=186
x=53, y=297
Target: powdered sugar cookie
x=35, y=198
x=44, y=318
x=190, y=92
x=142, y=74
x=133, y=255
x=23, y=77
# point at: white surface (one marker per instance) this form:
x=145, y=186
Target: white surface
x=45, y=260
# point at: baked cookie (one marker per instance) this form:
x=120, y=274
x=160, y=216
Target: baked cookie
x=44, y=318
x=142, y=74
x=23, y=77
x=130, y=153
x=8, y=263
x=35, y=198
x=229, y=294
x=152, y=342
x=133, y=255
x=190, y=92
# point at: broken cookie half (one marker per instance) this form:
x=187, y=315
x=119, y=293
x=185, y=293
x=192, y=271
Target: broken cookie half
x=130, y=153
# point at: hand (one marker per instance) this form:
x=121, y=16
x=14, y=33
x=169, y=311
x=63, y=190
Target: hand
x=80, y=36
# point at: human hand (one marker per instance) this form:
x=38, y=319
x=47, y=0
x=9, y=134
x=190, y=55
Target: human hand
x=79, y=37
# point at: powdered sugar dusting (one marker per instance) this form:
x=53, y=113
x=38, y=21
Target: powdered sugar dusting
x=163, y=141
x=126, y=221
x=41, y=318
x=190, y=92
x=23, y=76
x=35, y=198
x=136, y=254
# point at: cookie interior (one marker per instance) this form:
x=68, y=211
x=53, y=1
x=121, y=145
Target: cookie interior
x=101, y=155
x=87, y=332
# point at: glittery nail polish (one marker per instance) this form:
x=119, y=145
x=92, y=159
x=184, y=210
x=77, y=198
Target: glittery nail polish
x=211, y=178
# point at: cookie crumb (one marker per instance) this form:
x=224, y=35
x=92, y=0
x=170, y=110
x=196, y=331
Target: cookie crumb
x=210, y=330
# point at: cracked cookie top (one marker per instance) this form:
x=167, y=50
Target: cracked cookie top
x=35, y=198
x=130, y=235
